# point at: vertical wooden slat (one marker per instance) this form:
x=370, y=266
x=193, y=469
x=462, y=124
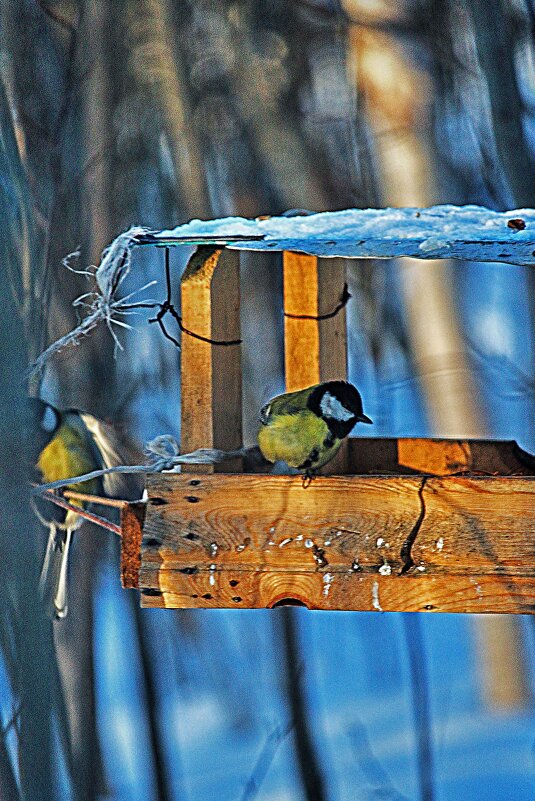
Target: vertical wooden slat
x=301, y=337
x=314, y=350
x=211, y=373
x=132, y=519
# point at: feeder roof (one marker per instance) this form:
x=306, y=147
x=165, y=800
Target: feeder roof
x=466, y=232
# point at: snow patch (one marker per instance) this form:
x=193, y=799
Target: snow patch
x=375, y=597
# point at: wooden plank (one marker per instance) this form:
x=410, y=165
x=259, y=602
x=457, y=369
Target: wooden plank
x=442, y=544
x=132, y=517
x=356, y=591
x=211, y=410
x=440, y=457
x=301, y=337
x=497, y=642
x=314, y=350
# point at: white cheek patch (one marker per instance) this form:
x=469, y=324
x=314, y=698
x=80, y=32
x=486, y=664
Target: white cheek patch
x=49, y=420
x=265, y=411
x=331, y=407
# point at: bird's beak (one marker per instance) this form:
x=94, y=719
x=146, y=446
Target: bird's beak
x=364, y=419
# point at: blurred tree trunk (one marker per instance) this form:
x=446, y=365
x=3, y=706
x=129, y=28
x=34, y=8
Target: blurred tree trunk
x=80, y=213
x=496, y=51
x=154, y=63
x=306, y=749
x=419, y=682
x=25, y=633
x=145, y=637
x=74, y=641
x=66, y=127
x=9, y=790
x=438, y=350
x=503, y=675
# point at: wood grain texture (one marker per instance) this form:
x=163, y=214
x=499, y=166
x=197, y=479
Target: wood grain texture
x=355, y=591
x=211, y=399
x=301, y=337
x=441, y=457
x=132, y=517
x=401, y=543
x=314, y=350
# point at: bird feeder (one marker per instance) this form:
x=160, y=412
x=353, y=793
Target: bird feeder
x=390, y=524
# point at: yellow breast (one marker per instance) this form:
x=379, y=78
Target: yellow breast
x=296, y=439
x=66, y=455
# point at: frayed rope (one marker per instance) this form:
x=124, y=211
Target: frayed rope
x=164, y=454
x=114, y=266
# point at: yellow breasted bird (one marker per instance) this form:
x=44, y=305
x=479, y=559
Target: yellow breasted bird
x=71, y=443
x=305, y=429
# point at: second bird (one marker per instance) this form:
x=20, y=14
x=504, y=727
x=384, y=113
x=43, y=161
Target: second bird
x=306, y=428
x=71, y=443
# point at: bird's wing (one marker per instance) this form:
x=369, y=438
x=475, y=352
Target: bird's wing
x=114, y=448
x=291, y=403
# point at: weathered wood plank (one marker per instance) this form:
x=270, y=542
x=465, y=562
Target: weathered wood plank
x=132, y=517
x=314, y=350
x=442, y=457
x=301, y=336
x=211, y=411
x=356, y=591
x=448, y=544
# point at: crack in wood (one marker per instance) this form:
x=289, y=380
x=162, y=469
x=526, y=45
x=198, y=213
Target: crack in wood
x=406, y=548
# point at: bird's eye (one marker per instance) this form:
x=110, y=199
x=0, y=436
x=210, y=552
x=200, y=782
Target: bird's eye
x=49, y=420
x=264, y=413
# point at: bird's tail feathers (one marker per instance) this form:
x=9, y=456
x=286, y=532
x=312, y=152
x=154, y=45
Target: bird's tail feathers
x=54, y=573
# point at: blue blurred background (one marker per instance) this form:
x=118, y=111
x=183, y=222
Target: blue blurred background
x=157, y=111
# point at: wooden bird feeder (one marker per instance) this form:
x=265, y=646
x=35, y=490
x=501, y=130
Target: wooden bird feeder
x=389, y=525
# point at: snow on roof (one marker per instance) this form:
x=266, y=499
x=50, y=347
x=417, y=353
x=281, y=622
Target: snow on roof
x=466, y=232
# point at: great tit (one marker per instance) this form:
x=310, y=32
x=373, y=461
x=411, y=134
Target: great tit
x=305, y=429
x=72, y=443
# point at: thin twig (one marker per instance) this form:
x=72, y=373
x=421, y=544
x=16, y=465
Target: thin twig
x=264, y=760
x=116, y=503
x=93, y=518
x=58, y=18
x=344, y=297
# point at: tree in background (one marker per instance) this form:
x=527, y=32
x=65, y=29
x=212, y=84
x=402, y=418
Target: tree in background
x=156, y=111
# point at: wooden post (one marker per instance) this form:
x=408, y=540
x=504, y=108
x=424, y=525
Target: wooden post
x=132, y=517
x=211, y=373
x=314, y=350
